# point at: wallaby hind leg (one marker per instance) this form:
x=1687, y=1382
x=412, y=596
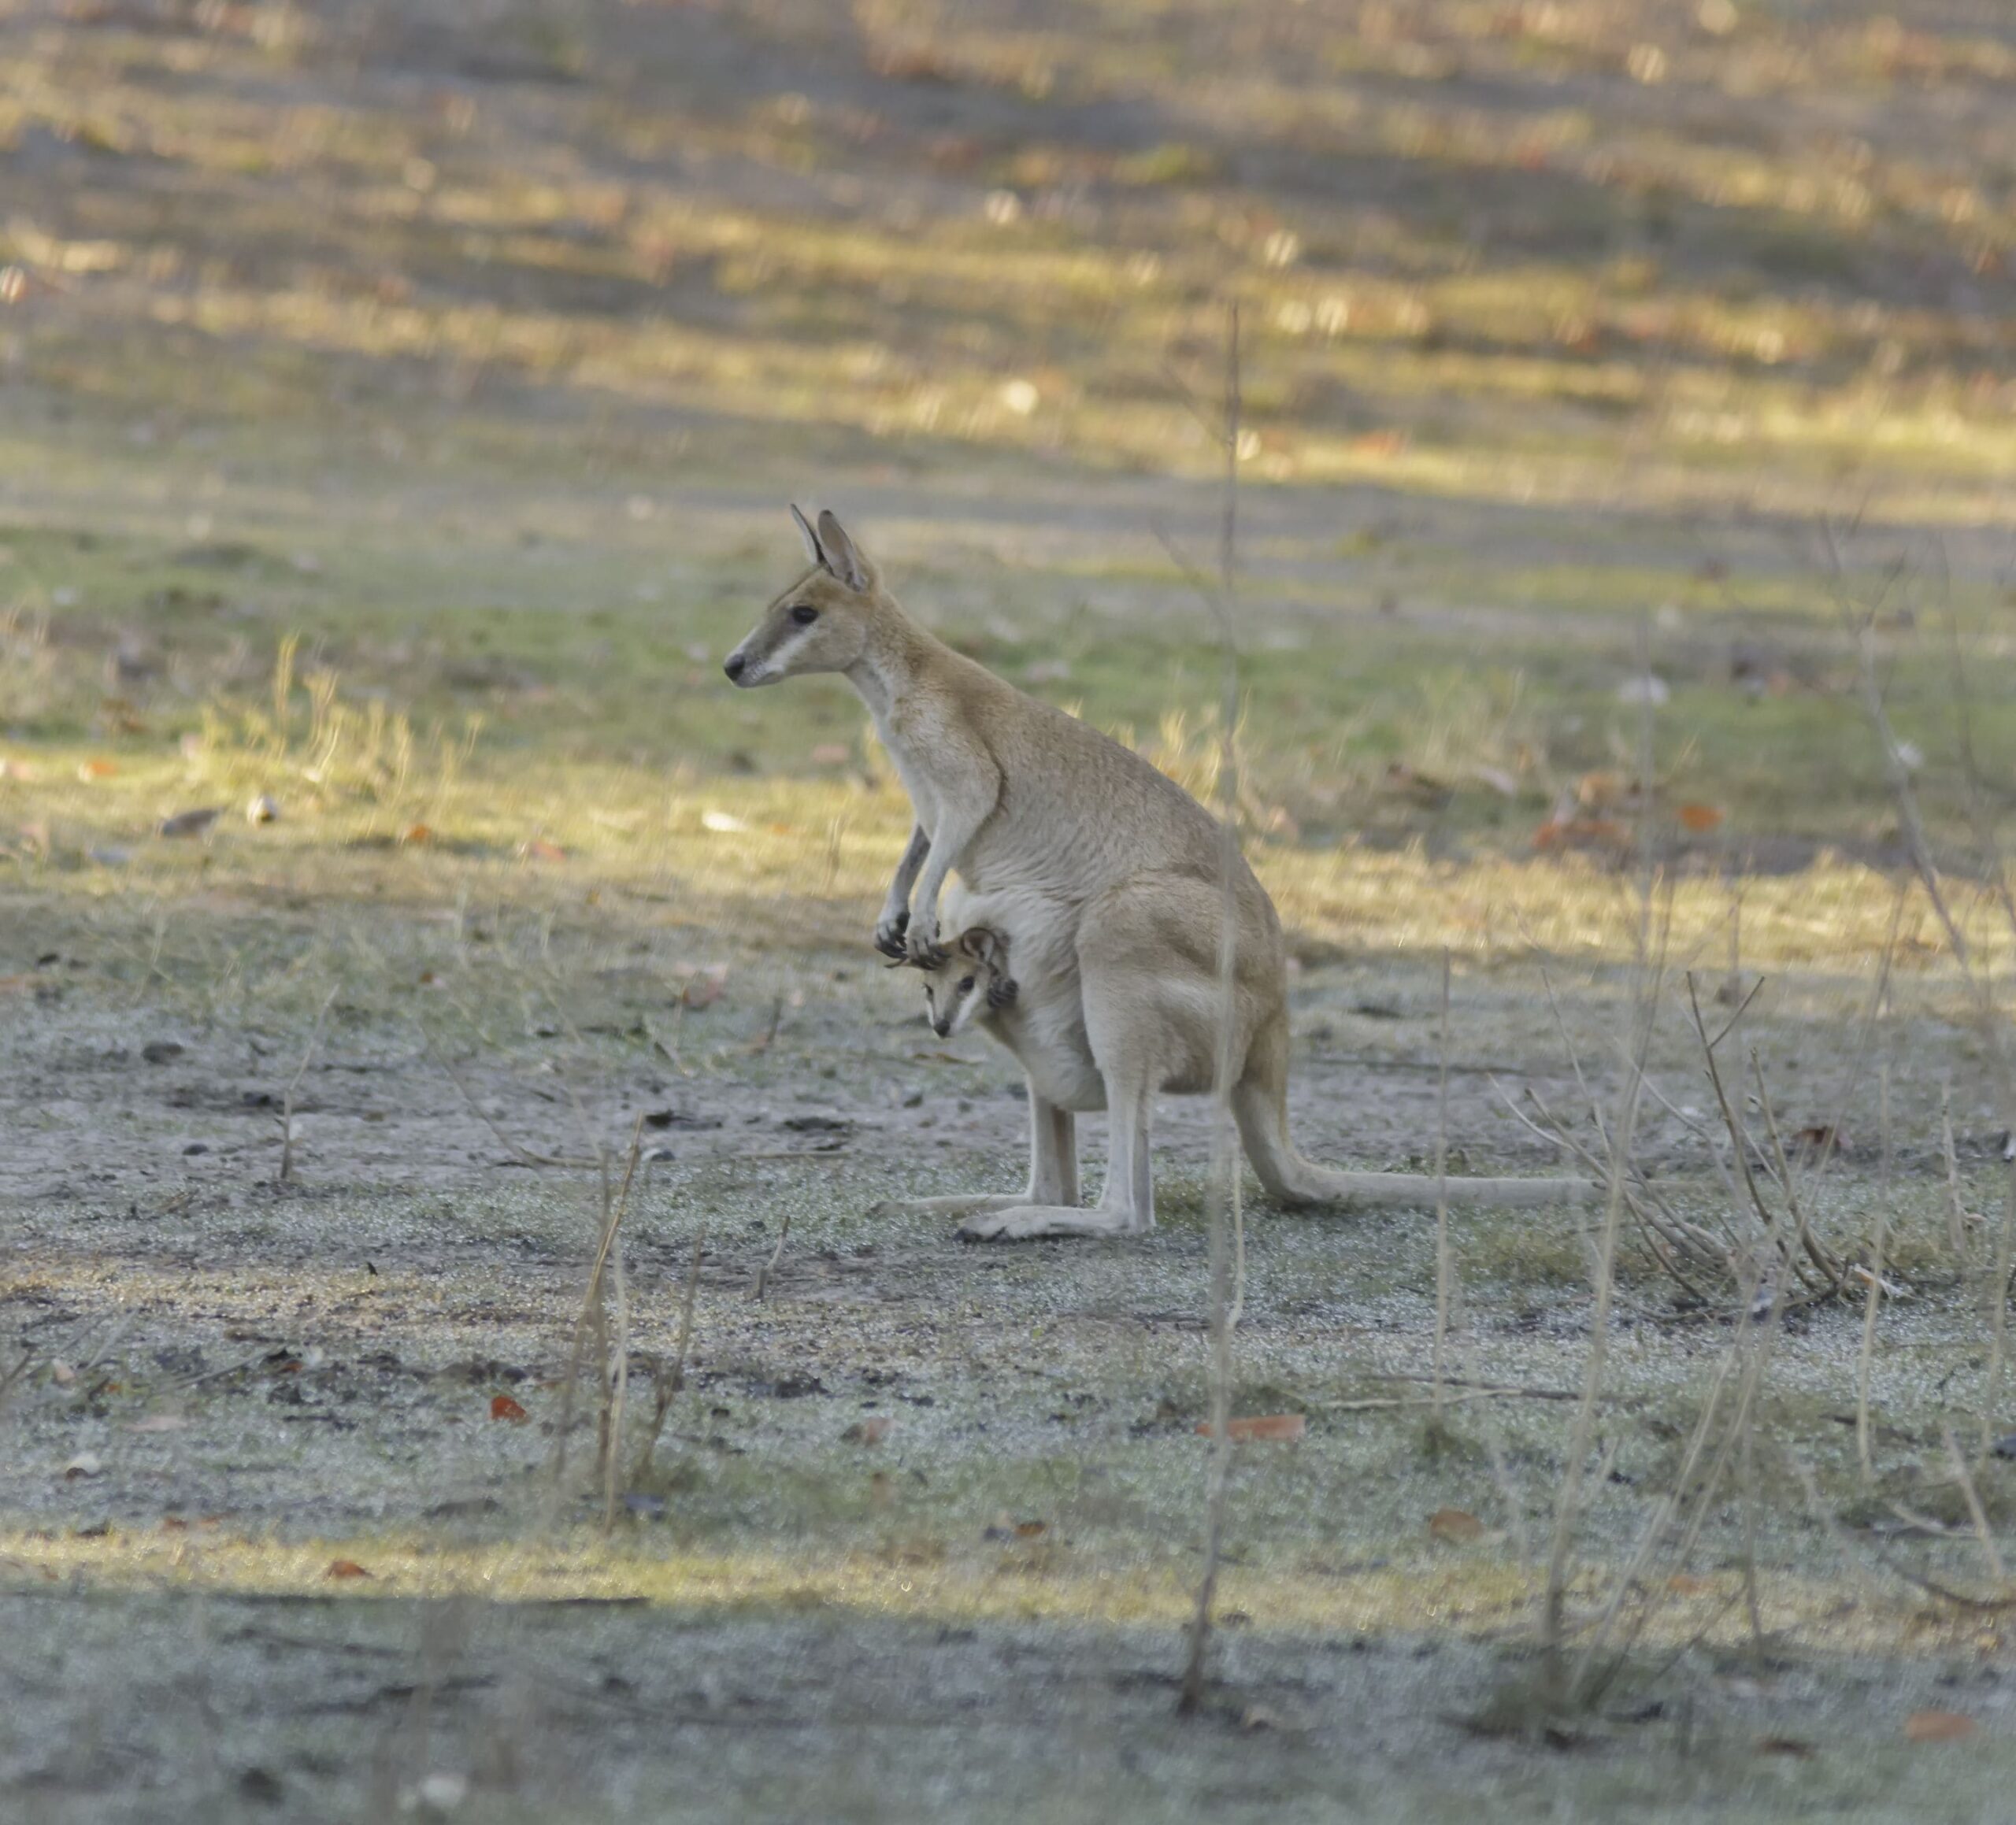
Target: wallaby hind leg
x=1126, y=1206
x=1053, y=1173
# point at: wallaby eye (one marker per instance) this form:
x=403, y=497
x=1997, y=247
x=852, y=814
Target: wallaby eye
x=966, y=986
x=805, y=614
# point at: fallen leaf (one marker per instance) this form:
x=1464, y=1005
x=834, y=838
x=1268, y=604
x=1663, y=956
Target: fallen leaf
x=1455, y=1525
x=831, y=754
x=417, y=833
x=1938, y=1726
x=1030, y=1529
x=263, y=810
x=703, y=991
x=188, y=822
x=1822, y=1137
x=538, y=850
x=345, y=1568
x=1380, y=443
x=1699, y=817
x=1498, y=779
x=61, y=1373
x=160, y=1423
x=84, y=1463
x=722, y=823
x=90, y=770
x=1287, y=1426
x=1558, y=833
x=1685, y=1584
x=1594, y=790
x=173, y=1524
x=869, y=1431
x=1259, y=1717
x=1789, y=1745
x=503, y=1406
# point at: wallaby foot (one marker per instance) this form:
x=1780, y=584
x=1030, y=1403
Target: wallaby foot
x=1026, y=1221
x=959, y=1204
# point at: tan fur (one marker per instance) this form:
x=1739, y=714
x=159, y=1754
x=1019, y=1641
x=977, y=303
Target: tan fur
x=1102, y=876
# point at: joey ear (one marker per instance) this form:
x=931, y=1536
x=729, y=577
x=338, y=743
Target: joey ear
x=842, y=556
x=984, y=946
x=811, y=538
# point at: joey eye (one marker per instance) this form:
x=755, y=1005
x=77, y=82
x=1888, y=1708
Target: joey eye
x=966, y=986
x=805, y=614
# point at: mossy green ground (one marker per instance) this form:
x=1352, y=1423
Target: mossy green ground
x=397, y=415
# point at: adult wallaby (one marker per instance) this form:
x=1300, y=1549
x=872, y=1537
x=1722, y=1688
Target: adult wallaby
x=1124, y=870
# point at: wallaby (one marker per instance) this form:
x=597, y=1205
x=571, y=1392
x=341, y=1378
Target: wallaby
x=1120, y=873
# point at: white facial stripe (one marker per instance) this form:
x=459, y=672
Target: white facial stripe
x=775, y=661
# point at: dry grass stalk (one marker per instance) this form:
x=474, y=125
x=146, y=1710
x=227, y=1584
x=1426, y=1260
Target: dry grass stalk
x=1976, y=1512
x=1873, y=1303
x=1570, y=1499
x=1225, y=1206
x=592, y=1321
x=1979, y=981
x=667, y=1386
x=1956, y=1208
x=1444, y=1261
x=285, y=1175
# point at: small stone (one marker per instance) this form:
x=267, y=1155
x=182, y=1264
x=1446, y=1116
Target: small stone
x=263, y=810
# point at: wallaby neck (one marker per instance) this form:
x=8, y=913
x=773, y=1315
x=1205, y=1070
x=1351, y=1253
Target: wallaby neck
x=892, y=667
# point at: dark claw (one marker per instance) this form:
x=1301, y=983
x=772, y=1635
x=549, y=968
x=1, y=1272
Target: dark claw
x=893, y=945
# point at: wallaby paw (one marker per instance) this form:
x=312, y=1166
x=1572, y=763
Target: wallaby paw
x=889, y=936
x=923, y=950
x=992, y=1227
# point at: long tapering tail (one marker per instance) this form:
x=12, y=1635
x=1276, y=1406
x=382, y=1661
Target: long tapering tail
x=1261, y=1110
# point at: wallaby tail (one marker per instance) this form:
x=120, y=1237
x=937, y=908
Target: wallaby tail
x=1260, y=1107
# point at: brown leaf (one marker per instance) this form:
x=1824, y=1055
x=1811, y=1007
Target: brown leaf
x=1699, y=817
x=345, y=1568
x=1455, y=1525
x=415, y=832
x=1686, y=1584
x=188, y=822
x=90, y=770
x=869, y=1431
x=703, y=991
x=831, y=754
x=1789, y=1745
x=1272, y=1425
x=1938, y=1726
x=1031, y=1530
x=503, y=1406
x=538, y=850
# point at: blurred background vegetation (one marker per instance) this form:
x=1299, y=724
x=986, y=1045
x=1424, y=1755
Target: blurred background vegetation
x=397, y=404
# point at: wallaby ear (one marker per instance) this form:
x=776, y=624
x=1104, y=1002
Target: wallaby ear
x=811, y=538
x=984, y=946
x=842, y=556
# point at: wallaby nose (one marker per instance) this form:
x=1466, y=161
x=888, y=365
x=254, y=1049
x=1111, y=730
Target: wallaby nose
x=735, y=666
x=942, y=1028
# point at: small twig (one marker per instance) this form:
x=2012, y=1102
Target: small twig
x=525, y=1156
